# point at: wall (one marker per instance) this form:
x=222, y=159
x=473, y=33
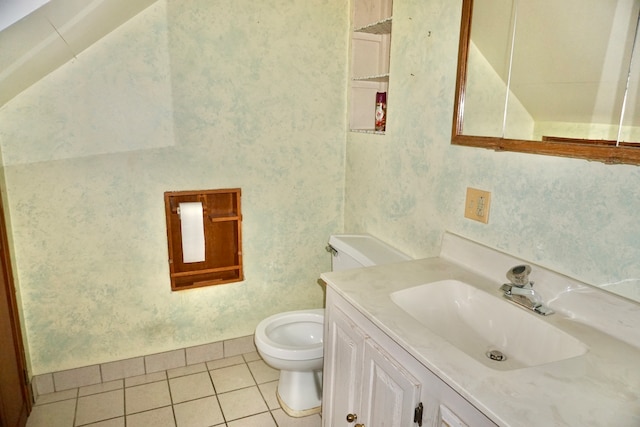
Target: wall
x=187, y=95
x=576, y=217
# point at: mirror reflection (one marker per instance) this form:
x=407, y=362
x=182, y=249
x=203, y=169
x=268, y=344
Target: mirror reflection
x=548, y=70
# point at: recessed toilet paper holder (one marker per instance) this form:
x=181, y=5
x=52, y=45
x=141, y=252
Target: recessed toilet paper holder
x=222, y=234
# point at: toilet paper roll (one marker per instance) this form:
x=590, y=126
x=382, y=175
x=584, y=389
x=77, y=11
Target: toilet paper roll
x=192, y=230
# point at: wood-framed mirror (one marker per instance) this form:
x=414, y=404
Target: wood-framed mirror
x=550, y=77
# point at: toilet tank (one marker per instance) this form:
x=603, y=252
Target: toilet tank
x=361, y=250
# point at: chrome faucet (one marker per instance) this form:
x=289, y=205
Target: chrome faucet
x=521, y=291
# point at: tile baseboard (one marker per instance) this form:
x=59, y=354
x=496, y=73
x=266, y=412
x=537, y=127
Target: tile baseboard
x=147, y=364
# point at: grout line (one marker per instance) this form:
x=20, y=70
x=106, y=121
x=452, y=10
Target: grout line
x=173, y=405
x=165, y=377
x=75, y=411
x=224, y=417
x=124, y=402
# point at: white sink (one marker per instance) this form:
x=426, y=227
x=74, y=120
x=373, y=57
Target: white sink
x=477, y=323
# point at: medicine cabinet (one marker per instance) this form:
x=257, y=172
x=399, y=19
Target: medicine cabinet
x=222, y=221
x=370, y=50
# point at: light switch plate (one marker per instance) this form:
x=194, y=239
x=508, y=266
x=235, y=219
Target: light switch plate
x=477, y=205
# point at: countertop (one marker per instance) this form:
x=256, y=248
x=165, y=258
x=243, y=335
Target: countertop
x=599, y=388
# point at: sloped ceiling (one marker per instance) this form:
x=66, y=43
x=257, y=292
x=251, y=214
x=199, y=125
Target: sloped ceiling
x=52, y=35
x=12, y=11
x=571, y=59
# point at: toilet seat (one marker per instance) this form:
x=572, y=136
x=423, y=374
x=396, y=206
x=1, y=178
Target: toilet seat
x=293, y=335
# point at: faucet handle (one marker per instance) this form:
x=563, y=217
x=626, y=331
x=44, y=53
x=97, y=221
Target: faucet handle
x=519, y=275
x=543, y=309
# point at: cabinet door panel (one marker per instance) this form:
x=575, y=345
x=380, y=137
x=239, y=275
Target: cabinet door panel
x=390, y=393
x=343, y=369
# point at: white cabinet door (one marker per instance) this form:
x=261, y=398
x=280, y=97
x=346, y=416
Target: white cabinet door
x=342, y=368
x=361, y=379
x=390, y=393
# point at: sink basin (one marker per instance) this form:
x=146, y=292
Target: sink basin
x=493, y=331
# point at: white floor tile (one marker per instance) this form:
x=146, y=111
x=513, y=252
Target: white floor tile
x=161, y=417
x=148, y=396
x=191, y=387
x=100, y=388
x=262, y=372
x=199, y=413
x=100, y=407
x=232, y=378
x=261, y=420
x=268, y=391
x=250, y=357
x=114, y=422
x=59, y=414
x=285, y=420
x=180, y=397
x=242, y=403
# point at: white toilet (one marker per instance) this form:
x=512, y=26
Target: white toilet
x=292, y=341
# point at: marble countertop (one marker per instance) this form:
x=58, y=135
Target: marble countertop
x=599, y=388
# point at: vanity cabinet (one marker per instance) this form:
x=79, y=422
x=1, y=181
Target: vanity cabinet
x=370, y=380
x=370, y=51
x=365, y=384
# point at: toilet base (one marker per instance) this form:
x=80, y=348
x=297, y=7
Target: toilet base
x=295, y=413
x=300, y=393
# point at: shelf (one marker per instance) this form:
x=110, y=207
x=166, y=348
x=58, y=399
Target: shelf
x=209, y=277
x=380, y=27
x=381, y=78
x=207, y=271
x=222, y=218
x=369, y=131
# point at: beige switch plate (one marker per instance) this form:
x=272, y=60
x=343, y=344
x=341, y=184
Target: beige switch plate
x=477, y=205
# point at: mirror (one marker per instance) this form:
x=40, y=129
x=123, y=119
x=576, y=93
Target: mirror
x=550, y=77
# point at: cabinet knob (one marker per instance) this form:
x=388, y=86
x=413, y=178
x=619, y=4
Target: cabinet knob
x=359, y=425
x=351, y=418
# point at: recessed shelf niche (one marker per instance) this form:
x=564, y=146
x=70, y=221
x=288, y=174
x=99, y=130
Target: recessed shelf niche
x=222, y=220
x=370, y=52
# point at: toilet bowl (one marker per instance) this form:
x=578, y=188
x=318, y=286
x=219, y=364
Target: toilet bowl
x=292, y=342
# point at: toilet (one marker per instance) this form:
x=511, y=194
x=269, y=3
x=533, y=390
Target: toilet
x=292, y=341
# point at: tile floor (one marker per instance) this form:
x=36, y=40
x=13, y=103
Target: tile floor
x=238, y=391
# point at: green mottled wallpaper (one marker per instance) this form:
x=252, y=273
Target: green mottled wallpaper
x=186, y=95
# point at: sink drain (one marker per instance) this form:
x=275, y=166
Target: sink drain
x=496, y=355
